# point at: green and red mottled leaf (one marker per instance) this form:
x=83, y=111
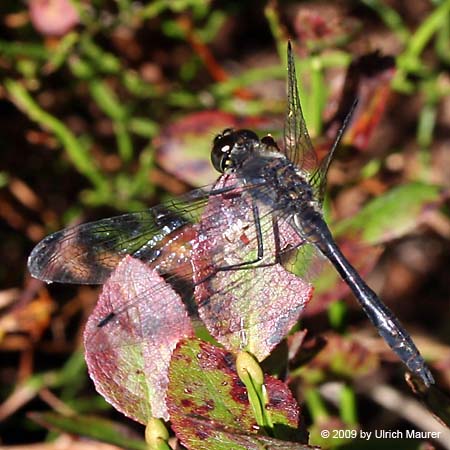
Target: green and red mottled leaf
x=252, y=308
x=225, y=438
x=208, y=403
x=184, y=147
x=128, y=357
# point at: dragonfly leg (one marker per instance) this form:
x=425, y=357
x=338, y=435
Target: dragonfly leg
x=260, y=247
x=246, y=265
x=276, y=238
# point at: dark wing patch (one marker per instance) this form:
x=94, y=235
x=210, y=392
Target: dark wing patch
x=87, y=254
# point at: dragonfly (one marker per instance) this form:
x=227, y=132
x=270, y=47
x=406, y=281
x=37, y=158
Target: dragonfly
x=269, y=189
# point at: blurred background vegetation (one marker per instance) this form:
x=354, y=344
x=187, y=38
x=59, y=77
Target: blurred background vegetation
x=111, y=106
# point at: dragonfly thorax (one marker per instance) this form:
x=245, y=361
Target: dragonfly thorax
x=295, y=193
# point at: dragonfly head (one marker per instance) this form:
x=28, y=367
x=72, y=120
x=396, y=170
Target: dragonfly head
x=232, y=147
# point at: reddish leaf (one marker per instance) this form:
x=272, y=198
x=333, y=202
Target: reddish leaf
x=129, y=356
x=252, y=308
x=319, y=25
x=369, y=80
x=53, y=18
x=208, y=403
x=31, y=318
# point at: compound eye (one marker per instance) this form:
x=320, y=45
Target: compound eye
x=220, y=136
x=222, y=146
x=244, y=136
x=269, y=141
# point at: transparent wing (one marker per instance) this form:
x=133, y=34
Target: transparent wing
x=297, y=143
x=87, y=254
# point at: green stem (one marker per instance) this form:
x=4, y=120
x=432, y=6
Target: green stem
x=316, y=405
x=123, y=138
x=348, y=410
x=21, y=49
x=428, y=28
